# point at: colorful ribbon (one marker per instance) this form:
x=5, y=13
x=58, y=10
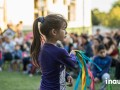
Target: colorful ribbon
x=85, y=73
x=92, y=85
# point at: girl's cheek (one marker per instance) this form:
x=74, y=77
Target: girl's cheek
x=65, y=32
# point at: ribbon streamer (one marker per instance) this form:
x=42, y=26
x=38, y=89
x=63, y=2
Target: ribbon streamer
x=85, y=74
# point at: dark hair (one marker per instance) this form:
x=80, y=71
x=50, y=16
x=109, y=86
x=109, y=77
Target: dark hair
x=108, y=45
x=84, y=36
x=98, y=40
x=17, y=45
x=52, y=21
x=100, y=47
x=98, y=30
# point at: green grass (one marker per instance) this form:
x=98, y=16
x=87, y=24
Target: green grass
x=19, y=81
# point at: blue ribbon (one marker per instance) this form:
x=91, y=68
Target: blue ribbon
x=84, y=58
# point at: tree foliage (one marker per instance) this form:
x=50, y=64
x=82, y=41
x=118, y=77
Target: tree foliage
x=95, y=19
x=110, y=19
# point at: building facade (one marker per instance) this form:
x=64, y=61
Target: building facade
x=77, y=12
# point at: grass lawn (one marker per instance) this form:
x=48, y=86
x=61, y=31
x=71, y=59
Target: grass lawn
x=19, y=81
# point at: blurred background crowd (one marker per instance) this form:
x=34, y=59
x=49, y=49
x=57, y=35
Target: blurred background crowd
x=15, y=50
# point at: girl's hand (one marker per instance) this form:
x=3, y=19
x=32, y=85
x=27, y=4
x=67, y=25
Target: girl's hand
x=73, y=52
x=70, y=81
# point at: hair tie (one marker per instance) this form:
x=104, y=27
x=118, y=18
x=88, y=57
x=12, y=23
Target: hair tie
x=41, y=19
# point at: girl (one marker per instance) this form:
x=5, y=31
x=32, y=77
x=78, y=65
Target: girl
x=49, y=57
x=113, y=51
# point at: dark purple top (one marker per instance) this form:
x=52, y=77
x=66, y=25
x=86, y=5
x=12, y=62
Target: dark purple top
x=53, y=61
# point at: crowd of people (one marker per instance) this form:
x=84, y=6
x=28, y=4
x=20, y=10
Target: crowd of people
x=106, y=45
x=103, y=49
x=15, y=49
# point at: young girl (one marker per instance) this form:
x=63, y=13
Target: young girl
x=49, y=57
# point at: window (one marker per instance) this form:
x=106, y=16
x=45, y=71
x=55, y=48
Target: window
x=71, y=12
x=42, y=12
x=64, y=2
x=36, y=4
x=36, y=15
x=54, y=1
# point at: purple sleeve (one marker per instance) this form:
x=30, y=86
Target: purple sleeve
x=73, y=57
x=68, y=61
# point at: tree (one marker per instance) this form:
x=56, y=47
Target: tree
x=111, y=19
x=114, y=15
x=116, y=4
x=99, y=17
x=95, y=20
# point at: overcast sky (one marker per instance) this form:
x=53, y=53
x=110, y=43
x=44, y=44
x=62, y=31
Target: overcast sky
x=102, y=5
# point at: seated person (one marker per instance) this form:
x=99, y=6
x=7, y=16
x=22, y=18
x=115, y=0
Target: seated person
x=8, y=48
x=26, y=57
x=17, y=57
x=104, y=62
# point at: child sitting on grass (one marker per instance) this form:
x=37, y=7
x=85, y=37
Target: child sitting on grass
x=104, y=62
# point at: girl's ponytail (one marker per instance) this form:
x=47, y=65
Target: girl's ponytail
x=36, y=44
x=52, y=21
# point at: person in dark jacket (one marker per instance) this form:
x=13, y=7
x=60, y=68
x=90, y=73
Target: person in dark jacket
x=104, y=62
x=86, y=46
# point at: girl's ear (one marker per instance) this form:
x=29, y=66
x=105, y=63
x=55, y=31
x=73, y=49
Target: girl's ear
x=54, y=32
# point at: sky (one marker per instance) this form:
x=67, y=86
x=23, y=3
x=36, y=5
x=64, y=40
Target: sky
x=102, y=5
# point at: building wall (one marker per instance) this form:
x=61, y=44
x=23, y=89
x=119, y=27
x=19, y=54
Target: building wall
x=2, y=14
x=20, y=10
x=83, y=15
x=57, y=7
x=77, y=12
x=1, y=18
x=28, y=10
